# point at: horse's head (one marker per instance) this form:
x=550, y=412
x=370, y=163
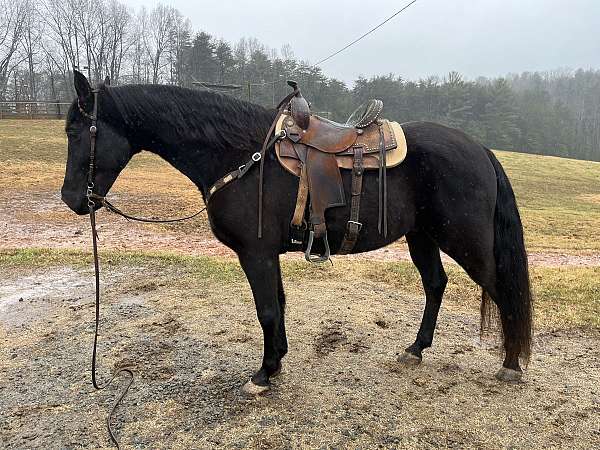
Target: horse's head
x=113, y=150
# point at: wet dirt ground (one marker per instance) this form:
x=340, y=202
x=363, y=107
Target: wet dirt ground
x=193, y=342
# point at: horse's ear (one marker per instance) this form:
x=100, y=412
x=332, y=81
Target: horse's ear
x=107, y=81
x=82, y=86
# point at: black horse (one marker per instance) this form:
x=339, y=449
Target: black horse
x=450, y=194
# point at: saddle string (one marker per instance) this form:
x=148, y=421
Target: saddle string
x=382, y=224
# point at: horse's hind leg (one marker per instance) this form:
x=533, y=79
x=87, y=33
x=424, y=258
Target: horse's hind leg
x=426, y=256
x=480, y=265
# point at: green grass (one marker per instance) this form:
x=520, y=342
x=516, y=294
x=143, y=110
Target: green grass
x=559, y=200
x=205, y=267
x=564, y=297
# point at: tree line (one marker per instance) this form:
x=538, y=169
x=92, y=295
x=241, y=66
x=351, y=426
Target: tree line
x=41, y=42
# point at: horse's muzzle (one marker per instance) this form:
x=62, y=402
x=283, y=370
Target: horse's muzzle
x=76, y=202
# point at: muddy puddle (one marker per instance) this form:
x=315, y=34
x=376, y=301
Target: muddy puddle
x=27, y=299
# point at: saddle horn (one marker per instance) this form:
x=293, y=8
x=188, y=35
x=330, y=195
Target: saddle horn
x=299, y=109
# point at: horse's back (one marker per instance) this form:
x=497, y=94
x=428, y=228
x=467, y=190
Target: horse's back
x=446, y=160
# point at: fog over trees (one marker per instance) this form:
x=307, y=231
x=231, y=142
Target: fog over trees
x=555, y=113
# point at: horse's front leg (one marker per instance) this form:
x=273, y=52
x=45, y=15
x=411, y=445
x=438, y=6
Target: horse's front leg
x=264, y=276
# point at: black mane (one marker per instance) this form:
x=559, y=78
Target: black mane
x=185, y=115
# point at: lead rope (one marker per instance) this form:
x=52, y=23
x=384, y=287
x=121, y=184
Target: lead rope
x=97, y=386
x=126, y=371
x=91, y=196
x=91, y=205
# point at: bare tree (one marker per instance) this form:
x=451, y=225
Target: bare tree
x=12, y=19
x=61, y=46
x=179, y=40
x=160, y=24
x=30, y=44
x=137, y=46
x=119, y=19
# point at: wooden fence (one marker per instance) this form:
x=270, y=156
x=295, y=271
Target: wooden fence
x=33, y=110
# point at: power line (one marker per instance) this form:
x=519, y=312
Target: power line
x=364, y=35
x=346, y=46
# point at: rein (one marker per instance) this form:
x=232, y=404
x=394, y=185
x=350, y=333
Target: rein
x=91, y=206
x=92, y=199
x=95, y=199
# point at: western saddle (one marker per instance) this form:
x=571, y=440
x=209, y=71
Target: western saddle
x=315, y=149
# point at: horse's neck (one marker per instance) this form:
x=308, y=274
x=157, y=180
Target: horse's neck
x=201, y=157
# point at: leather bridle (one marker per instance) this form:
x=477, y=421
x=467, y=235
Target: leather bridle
x=92, y=210
x=93, y=199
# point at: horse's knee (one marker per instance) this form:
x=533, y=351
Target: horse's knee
x=268, y=317
x=436, y=285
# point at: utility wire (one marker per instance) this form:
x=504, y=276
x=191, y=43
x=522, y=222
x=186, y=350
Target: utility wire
x=364, y=35
x=334, y=54
x=405, y=7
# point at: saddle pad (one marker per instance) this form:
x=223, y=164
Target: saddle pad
x=288, y=155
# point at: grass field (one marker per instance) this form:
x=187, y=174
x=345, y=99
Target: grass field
x=559, y=201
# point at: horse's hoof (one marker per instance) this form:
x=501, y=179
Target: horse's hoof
x=408, y=359
x=254, y=389
x=509, y=375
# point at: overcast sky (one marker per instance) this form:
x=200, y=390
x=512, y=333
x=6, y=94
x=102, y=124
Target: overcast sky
x=474, y=37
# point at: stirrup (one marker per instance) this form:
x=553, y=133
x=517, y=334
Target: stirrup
x=316, y=258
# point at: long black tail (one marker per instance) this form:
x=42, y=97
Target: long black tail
x=512, y=271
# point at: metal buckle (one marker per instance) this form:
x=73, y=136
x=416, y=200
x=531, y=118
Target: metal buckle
x=256, y=157
x=93, y=130
x=356, y=223
x=241, y=167
x=282, y=134
x=299, y=231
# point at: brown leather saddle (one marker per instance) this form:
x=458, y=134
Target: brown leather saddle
x=315, y=149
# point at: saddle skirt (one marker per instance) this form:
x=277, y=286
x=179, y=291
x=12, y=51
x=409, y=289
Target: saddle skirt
x=342, y=141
